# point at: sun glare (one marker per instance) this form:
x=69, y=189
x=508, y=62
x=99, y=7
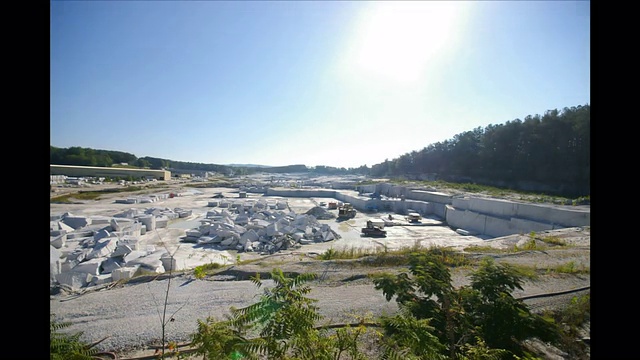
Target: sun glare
x=396, y=39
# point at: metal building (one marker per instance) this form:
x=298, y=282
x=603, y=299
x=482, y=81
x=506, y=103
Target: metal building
x=97, y=171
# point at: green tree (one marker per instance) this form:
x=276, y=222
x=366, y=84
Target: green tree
x=320, y=344
x=427, y=294
x=283, y=313
x=284, y=320
x=217, y=339
x=484, y=310
x=503, y=320
x=408, y=337
x=143, y=163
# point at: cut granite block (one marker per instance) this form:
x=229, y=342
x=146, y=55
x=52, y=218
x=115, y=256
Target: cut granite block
x=76, y=222
x=100, y=234
x=55, y=262
x=121, y=250
x=170, y=263
x=190, y=239
x=58, y=241
x=91, y=266
x=68, y=265
x=124, y=273
x=149, y=263
x=230, y=241
x=250, y=235
x=193, y=233
x=273, y=229
x=184, y=213
x=327, y=236
x=132, y=229
x=248, y=246
x=131, y=241
x=58, y=232
x=101, y=220
x=120, y=223
x=162, y=222
x=109, y=265
x=64, y=227
x=132, y=256
x=74, y=280
x=209, y=239
x=103, y=247
x=55, y=217
x=128, y=214
x=100, y=279
x=148, y=220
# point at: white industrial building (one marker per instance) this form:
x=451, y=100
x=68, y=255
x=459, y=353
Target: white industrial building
x=97, y=171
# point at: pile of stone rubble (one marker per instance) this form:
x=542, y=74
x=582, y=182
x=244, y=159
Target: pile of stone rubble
x=263, y=231
x=321, y=213
x=89, y=251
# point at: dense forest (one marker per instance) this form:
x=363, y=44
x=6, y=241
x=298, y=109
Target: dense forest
x=546, y=153
x=549, y=153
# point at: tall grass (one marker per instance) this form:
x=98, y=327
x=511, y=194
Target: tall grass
x=93, y=195
x=570, y=268
x=383, y=256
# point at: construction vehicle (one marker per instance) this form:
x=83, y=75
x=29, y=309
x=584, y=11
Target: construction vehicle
x=373, y=230
x=346, y=211
x=414, y=217
x=332, y=205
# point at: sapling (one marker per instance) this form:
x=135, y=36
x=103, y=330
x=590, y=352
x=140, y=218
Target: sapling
x=164, y=320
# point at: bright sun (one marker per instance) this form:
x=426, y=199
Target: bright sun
x=396, y=39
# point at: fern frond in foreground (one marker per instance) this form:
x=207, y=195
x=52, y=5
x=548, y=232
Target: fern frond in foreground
x=66, y=346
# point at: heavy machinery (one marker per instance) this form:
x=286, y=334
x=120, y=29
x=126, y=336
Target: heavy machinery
x=346, y=211
x=414, y=217
x=373, y=230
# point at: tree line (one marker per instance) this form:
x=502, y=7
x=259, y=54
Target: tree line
x=547, y=153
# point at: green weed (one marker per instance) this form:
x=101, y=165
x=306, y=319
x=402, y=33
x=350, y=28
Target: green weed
x=569, y=268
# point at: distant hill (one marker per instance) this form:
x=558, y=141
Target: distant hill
x=249, y=165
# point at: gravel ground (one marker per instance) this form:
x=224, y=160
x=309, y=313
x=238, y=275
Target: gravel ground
x=128, y=316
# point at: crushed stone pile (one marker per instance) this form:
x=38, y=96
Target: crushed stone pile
x=321, y=213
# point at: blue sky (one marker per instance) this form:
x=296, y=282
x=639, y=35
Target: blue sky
x=334, y=83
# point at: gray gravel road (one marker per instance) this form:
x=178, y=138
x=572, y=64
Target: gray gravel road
x=130, y=315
